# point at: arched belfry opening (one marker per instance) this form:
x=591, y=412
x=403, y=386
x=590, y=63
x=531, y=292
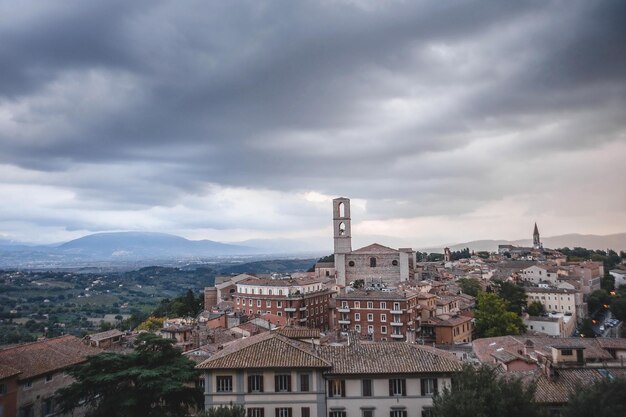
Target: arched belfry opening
x=342, y=229
x=341, y=210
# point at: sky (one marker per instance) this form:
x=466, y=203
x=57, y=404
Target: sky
x=443, y=121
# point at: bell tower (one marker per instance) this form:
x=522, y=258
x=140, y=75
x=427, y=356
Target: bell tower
x=342, y=236
x=536, y=240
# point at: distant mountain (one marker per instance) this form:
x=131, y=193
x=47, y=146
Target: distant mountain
x=617, y=242
x=146, y=244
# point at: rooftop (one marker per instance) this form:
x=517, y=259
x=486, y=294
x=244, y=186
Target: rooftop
x=45, y=356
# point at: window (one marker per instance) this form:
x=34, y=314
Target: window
x=357, y=327
x=283, y=412
x=427, y=412
x=397, y=387
x=3, y=389
x=351, y=263
x=394, y=263
x=336, y=388
x=566, y=352
x=224, y=383
x=397, y=413
x=268, y=303
x=357, y=304
x=383, y=318
x=366, y=387
x=27, y=411
x=370, y=317
x=383, y=305
x=370, y=329
x=357, y=316
x=372, y=262
x=367, y=413
x=304, y=383
x=429, y=386
x=27, y=385
x=48, y=378
x=255, y=383
x=370, y=304
x=282, y=383
x=279, y=304
x=396, y=306
x=383, y=329
x=47, y=406
x=256, y=412
x=258, y=303
x=305, y=412
x=337, y=414
x=250, y=303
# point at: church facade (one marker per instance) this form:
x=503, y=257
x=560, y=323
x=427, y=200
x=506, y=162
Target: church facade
x=374, y=263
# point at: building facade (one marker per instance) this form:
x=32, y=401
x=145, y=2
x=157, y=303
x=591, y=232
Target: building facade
x=373, y=263
x=302, y=302
x=378, y=315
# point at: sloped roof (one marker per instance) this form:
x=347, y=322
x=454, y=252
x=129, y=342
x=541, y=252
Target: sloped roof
x=298, y=332
x=7, y=371
x=375, y=248
x=105, y=335
x=44, y=356
x=388, y=358
x=566, y=381
x=266, y=350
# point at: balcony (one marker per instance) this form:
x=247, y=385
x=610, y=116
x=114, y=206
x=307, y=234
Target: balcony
x=396, y=311
x=290, y=309
x=303, y=319
x=343, y=309
x=343, y=321
x=397, y=336
x=397, y=323
x=303, y=308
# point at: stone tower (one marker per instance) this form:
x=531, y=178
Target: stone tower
x=447, y=255
x=342, y=236
x=536, y=239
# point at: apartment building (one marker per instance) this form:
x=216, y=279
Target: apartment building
x=378, y=315
x=273, y=376
x=561, y=300
x=540, y=273
x=303, y=302
x=41, y=369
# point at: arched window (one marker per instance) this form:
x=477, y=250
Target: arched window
x=373, y=262
x=341, y=210
x=342, y=229
x=270, y=292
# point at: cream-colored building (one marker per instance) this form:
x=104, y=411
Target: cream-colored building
x=273, y=376
x=561, y=300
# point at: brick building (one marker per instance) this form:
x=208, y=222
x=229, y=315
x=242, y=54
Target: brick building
x=303, y=302
x=378, y=315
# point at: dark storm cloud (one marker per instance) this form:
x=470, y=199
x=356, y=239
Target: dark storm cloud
x=138, y=104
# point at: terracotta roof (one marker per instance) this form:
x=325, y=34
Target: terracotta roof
x=7, y=371
x=375, y=248
x=611, y=343
x=557, y=390
x=267, y=350
x=105, y=335
x=483, y=348
x=296, y=332
x=288, y=282
x=388, y=358
x=45, y=356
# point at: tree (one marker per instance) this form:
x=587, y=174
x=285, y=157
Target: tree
x=605, y=398
x=493, y=319
x=618, y=308
x=535, y=309
x=152, y=381
x=470, y=286
x=586, y=329
x=513, y=294
x=483, y=391
x=152, y=324
x=597, y=300
x=225, y=411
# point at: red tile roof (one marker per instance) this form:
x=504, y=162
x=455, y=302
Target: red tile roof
x=45, y=356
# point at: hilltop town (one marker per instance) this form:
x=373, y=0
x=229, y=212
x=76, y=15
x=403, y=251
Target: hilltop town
x=368, y=329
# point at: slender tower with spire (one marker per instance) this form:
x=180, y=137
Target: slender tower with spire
x=536, y=239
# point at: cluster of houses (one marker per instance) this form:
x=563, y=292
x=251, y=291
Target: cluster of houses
x=372, y=334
